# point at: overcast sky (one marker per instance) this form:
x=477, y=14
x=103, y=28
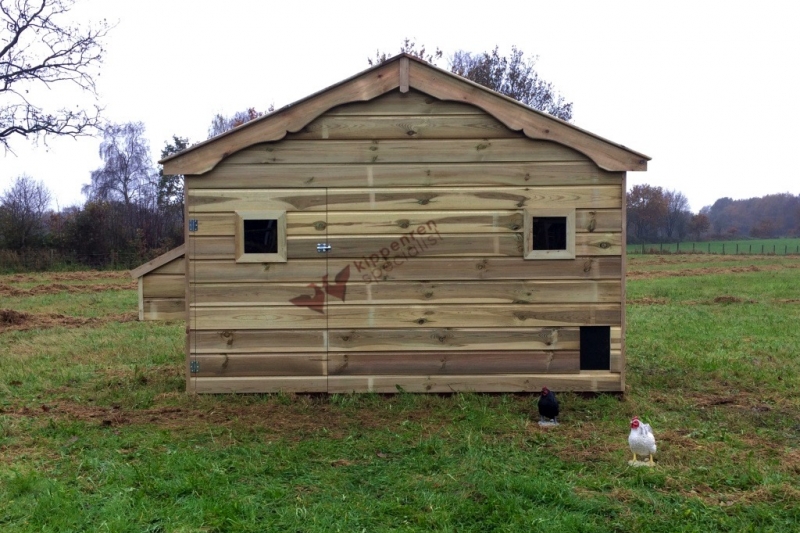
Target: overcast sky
x=708, y=89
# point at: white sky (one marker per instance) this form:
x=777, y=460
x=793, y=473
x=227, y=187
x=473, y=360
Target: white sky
x=710, y=90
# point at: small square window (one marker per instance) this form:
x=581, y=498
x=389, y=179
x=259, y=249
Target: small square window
x=549, y=234
x=261, y=237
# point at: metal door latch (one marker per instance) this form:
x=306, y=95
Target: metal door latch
x=323, y=247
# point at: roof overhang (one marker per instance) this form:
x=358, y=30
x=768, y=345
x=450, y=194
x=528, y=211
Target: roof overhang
x=404, y=72
x=159, y=261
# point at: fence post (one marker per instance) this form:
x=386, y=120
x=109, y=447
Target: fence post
x=723, y=248
x=750, y=250
x=737, y=248
x=762, y=248
x=693, y=246
x=709, y=247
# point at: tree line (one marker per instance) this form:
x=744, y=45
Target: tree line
x=656, y=215
x=132, y=213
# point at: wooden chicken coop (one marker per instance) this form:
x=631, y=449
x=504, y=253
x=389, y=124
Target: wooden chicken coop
x=405, y=229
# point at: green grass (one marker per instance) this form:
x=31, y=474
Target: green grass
x=782, y=246
x=97, y=434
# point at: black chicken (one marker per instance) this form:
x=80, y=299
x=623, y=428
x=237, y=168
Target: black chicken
x=548, y=407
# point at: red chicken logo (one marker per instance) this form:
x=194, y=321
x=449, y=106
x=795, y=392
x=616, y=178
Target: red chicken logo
x=337, y=289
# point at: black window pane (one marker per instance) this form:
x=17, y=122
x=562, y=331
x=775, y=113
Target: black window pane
x=549, y=233
x=260, y=236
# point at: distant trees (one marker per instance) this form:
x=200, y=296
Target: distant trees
x=220, y=123
x=39, y=51
x=22, y=214
x=772, y=215
x=646, y=212
x=407, y=47
x=699, y=225
x=514, y=76
x=127, y=171
x=170, y=190
x=678, y=215
x=654, y=214
x=658, y=215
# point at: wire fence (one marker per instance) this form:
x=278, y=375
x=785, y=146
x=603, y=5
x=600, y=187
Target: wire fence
x=790, y=247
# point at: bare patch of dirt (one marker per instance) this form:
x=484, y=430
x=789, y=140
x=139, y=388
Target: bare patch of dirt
x=56, y=288
x=648, y=301
x=709, y=496
x=672, y=259
x=85, y=275
x=653, y=274
x=11, y=320
x=727, y=300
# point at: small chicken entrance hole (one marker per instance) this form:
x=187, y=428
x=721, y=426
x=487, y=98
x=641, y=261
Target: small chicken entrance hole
x=595, y=347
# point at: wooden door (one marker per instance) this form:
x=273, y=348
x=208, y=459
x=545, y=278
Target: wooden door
x=260, y=325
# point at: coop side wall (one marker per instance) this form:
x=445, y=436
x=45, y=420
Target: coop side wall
x=466, y=312
x=162, y=292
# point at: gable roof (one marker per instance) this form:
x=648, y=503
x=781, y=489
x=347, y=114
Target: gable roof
x=404, y=72
x=159, y=261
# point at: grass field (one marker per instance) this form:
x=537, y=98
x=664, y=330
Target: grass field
x=783, y=246
x=96, y=433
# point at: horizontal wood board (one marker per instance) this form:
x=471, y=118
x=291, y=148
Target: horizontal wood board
x=406, y=199
x=405, y=316
x=502, y=174
x=354, y=223
x=591, y=382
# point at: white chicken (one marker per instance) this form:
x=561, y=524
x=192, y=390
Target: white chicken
x=641, y=440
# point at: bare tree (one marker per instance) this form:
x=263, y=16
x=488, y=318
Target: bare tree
x=37, y=51
x=646, y=210
x=220, y=124
x=22, y=213
x=678, y=214
x=127, y=174
x=513, y=76
x=699, y=225
x=408, y=47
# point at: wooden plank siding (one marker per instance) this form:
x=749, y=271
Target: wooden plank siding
x=423, y=201
x=162, y=292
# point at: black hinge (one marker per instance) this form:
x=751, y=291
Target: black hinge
x=192, y=224
x=194, y=367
